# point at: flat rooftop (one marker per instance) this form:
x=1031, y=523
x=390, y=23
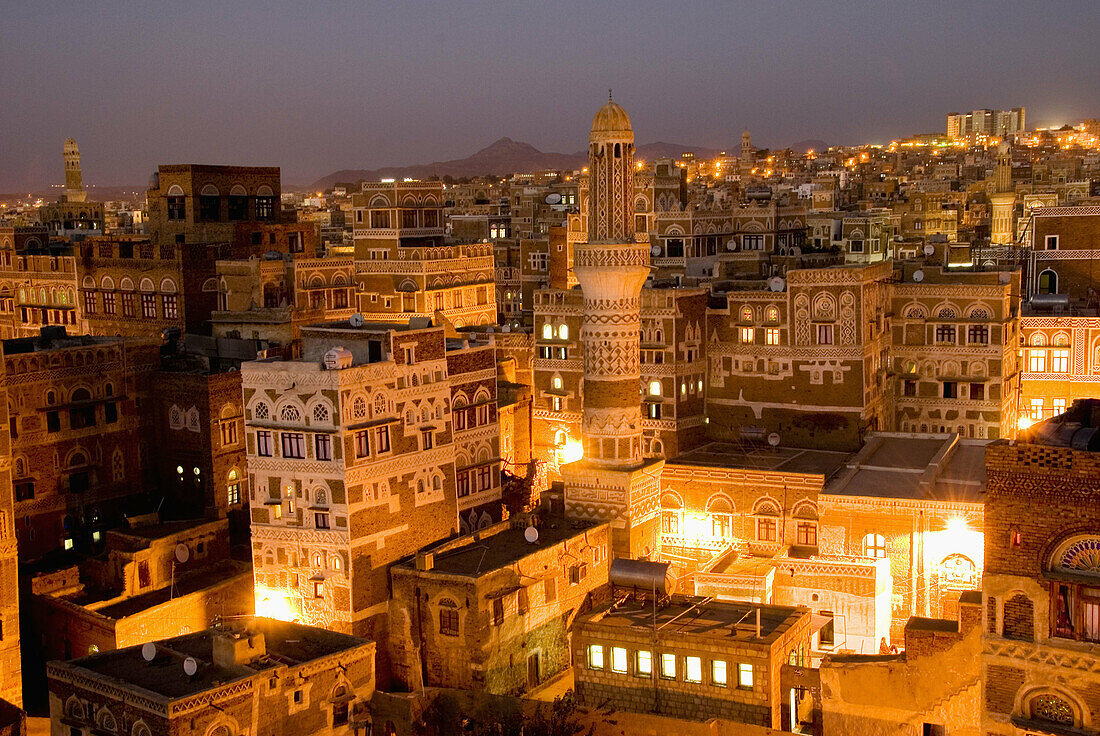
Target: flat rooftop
x=484, y=552
x=698, y=616
x=193, y=582
x=287, y=644
x=940, y=467
x=785, y=459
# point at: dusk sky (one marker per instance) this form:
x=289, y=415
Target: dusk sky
x=318, y=86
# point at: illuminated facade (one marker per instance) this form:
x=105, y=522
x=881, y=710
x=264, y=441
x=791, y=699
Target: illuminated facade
x=1042, y=614
x=405, y=269
x=612, y=481
x=353, y=466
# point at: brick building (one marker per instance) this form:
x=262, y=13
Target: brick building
x=492, y=611
x=1042, y=614
x=690, y=657
x=251, y=675
x=80, y=436
x=352, y=453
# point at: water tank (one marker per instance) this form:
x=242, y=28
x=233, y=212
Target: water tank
x=1050, y=301
x=642, y=576
x=338, y=358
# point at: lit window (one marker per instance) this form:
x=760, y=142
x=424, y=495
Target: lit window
x=1036, y=409
x=654, y=388
x=744, y=676
x=563, y=332
x=718, y=672
x=1059, y=361
x=557, y=382
x=644, y=663
x=1036, y=361
x=693, y=669
x=595, y=656
x=748, y=334
x=618, y=659
x=547, y=331
x=668, y=666
x=771, y=336
x=1059, y=406
x=874, y=545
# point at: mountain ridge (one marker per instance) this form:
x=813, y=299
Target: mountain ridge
x=502, y=157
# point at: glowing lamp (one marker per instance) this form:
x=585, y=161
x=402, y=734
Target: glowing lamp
x=572, y=452
x=1024, y=422
x=274, y=603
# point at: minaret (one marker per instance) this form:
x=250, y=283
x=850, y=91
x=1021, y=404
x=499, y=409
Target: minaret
x=74, y=184
x=1003, y=199
x=612, y=482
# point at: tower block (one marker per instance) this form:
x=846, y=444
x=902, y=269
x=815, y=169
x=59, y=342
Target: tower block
x=1002, y=229
x=74, y=182
x=612, y=481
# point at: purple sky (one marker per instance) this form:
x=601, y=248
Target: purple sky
x=318, y=86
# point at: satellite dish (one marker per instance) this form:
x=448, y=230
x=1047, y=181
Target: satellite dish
x=148, y=651
x=929, y=249
x=356, y=320
x=654, y=250
x=776, y=283
x=183, y=554
x=773, y=439
x=190, y=666
x=531, y=534
x=918, y=276
x=731, y=244
x=553, y=198
x=1005, y=277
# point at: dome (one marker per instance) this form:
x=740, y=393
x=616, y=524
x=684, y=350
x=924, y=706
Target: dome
x=611, y=118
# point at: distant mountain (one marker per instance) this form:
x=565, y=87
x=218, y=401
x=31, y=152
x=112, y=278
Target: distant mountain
x=501, y=158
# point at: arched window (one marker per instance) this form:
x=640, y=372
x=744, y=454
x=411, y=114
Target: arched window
x=563, y=332
x=359, y=408
x=335, y=562
x=1019, y=618
x=874, y=545
x=1052, y=709
x=772, y=314
x=448, y=617
x=746, y=314
x=654, y=388
x=261, y=411
x=320, y=413
x=290, y=413
x=547, y=331
x=419, y=485
x=1048, y=282
x=672, y=511
x=437, y=483
x=320, y=497
x=556, y=382
x=720, y=511
x=380, y=405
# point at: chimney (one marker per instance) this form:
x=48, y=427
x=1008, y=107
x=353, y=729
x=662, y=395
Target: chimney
x=233, y=648
x=425, y=561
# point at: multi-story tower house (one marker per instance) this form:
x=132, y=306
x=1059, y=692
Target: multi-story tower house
x=1042, y=573
x=955, y=338
x=11, y=682
x=612, y=481
x=404, y=269
x=351, y=459
x=79, y=449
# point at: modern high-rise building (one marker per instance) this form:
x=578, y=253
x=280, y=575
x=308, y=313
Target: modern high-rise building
x=986, y=122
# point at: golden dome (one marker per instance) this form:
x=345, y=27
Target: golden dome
x=611, y=119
